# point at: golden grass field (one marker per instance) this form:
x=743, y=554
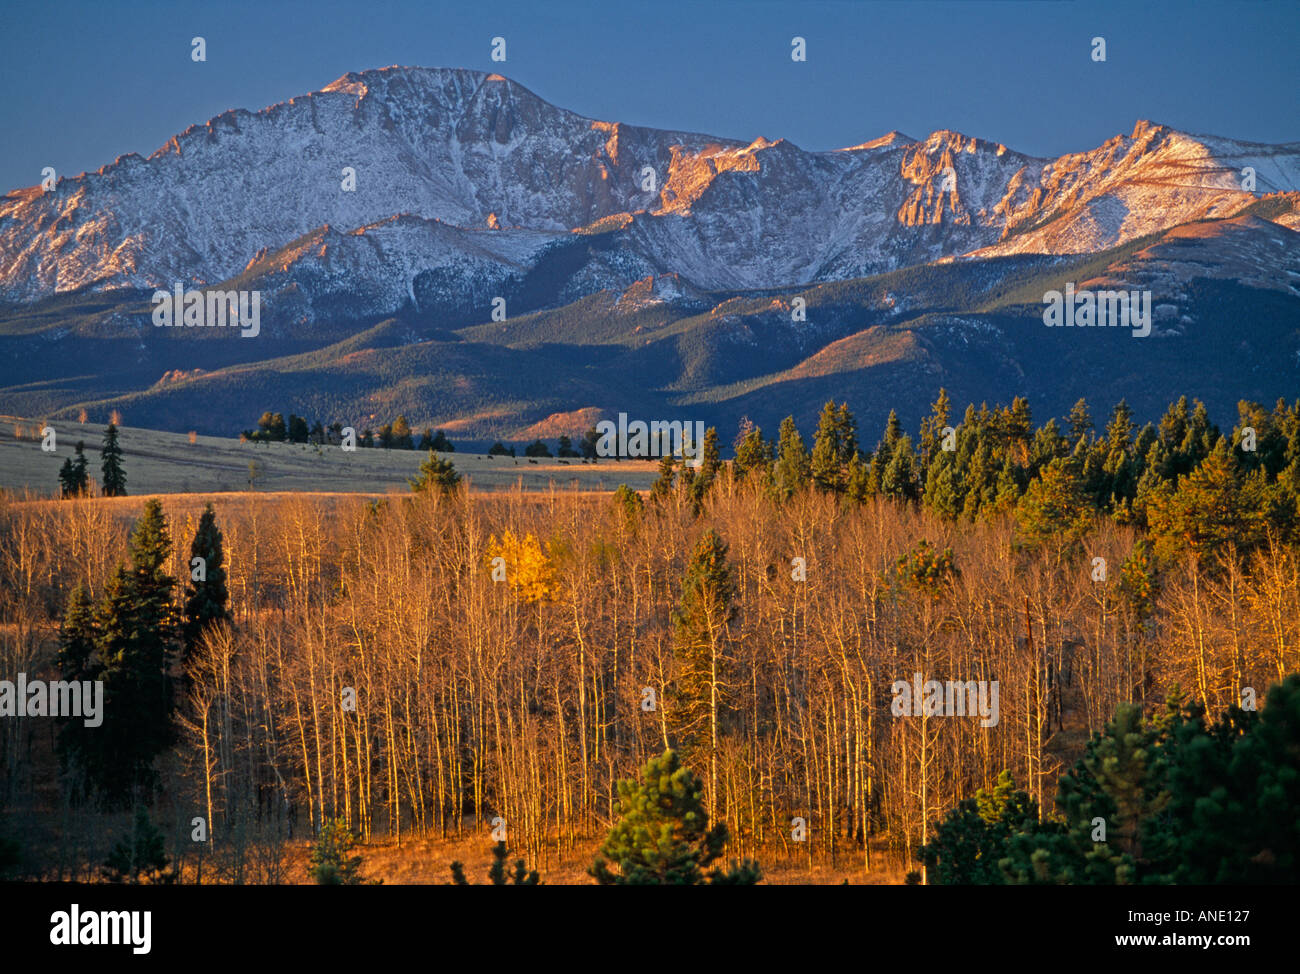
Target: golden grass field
x=168, y=463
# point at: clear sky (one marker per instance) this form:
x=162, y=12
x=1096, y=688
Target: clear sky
x=85, y=82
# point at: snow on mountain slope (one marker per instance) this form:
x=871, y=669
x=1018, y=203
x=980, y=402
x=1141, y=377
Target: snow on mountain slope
x=474, y=151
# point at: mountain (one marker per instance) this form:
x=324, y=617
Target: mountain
x=635, y=266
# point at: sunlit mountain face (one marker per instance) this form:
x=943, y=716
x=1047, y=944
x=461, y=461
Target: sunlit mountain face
x=407, y=226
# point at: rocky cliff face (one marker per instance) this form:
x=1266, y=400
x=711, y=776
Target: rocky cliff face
x=467, y=183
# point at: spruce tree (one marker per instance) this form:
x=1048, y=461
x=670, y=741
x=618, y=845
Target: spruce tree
x=113, y=477
x=134, y=635
x=66, y=479
x=206, y=597
x=77, y=661
x=899, y=479
x=80, y=478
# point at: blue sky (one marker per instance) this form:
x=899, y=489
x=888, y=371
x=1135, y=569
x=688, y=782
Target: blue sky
x=87, y=82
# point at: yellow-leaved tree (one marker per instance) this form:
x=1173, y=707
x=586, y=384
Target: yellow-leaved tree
x=529, y=568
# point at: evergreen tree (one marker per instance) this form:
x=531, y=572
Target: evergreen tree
x=972, y=839
x=899, y=478
x=1018, y=425
x=113, y=479
x=401, y=438
x=942, y=487
x=498, y=873
x=827, y=473
x=1053, y=511
x=127, y=642
x=444, y=445
x=835, y=447
x=141, y=858
x=857, y=480
x=707, y=472
x=753, y=456
x=136, y=630
x=80, y=477
x=272, y=426
x=662, y=836
x=1211, y=510
x=1080, y=421
x=793, y=465
x=436, y=474
x=331, y=864
x=66, y=479
x=206, y=596
x=700, y=622
x=662, y=488
x=932, y=430
x=629, y=503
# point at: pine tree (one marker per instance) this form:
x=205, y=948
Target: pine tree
x=793, y=468
x=206, y=602
x=972, y=839
x=77, y=661
x=932, y=430
x=331, y=864
x=436, y=474
x=857, y=480
x=1053, y=511
x=662, y=836
x=113, y=479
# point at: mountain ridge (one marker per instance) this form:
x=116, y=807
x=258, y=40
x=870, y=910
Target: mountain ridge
x=457, y=146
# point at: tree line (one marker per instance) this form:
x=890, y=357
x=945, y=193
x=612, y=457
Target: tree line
x=397, y=435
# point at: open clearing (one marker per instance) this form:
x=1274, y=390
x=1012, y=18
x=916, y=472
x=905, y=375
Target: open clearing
x=168, y=463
